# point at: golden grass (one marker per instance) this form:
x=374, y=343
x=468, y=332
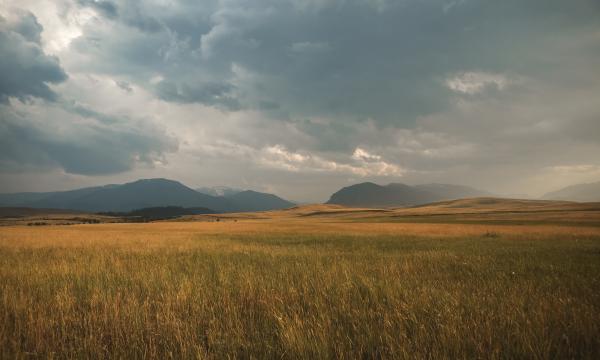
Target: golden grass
x=299, y=288
x=466, y=211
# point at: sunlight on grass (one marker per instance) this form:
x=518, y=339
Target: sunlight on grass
x=187, y=291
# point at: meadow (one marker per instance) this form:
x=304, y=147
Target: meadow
x=300, y=288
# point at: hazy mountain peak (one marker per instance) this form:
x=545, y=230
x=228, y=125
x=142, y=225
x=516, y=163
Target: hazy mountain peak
x=218, y=190
x=578, y=192
x=155, y=182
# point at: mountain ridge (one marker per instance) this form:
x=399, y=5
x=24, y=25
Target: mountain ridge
x=587, y=192
x=369, y=194
x=218, y=190
x=142, y=193
x=259, y=201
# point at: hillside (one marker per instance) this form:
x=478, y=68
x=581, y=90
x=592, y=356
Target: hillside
x=130, y=196
x=256, y=201
x=135, y=195
x=579, y=192
x=471, y=211
x=452, y=192
x=394, y=195
x=147, y=193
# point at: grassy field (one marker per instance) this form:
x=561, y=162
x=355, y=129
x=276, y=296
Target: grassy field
x=300, y=288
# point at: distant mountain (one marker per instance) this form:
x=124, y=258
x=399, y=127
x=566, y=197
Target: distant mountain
x=148, y=193
x=135, y=195
x=452, y=192
x=372, y=195
x=18, y=199
x=65, y=199
x=256, y=201
x=218, y=190
x=580, y=192
x=57, y=199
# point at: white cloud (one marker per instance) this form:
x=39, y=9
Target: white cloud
x=62, y=21
x=578, y=168
x=472, y=83
x=363, y=163
x=363, y=155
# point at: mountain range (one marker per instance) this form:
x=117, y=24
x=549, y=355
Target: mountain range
x=157, y=193
x=144, y=193
x=395, y=195
x=579, y=192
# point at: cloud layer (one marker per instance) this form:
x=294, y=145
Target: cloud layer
x=26, y=70
x=261, y=93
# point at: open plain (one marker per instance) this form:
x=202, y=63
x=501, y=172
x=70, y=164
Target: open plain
x=493, y=280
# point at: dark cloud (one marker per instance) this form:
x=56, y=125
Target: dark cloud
x=78, y=146
x=106, y=8
x=217, y=94
x=124, y=85
x=27, y=25
x=298, y=93
x=26, y=70
x=355, y=60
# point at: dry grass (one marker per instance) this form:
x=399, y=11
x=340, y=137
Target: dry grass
x=299, y=288
x=466, y=211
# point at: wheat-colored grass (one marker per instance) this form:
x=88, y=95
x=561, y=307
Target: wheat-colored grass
x=299, y=288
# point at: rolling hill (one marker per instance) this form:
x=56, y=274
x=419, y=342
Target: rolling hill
x=481, y=210
x=393, y=195
x=452, y=192
x=579, y=192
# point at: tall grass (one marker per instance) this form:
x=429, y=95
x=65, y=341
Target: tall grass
x=305, y=295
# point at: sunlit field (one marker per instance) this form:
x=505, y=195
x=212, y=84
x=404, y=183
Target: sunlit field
x=304, y=288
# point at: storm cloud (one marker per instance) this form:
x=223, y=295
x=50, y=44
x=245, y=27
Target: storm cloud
x=61, y=132
x=387, y=61
x=26, y=70
x=79, y=143
x=258, y=93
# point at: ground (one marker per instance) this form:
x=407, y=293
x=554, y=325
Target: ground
x=486, y=280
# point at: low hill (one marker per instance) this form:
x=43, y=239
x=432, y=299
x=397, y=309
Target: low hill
x=161, y=212
x=38, y=217
x=579, y=192
x=491, y=204
x=394, y=195
x=472, y=211
x=452, y=192
x=18, y=212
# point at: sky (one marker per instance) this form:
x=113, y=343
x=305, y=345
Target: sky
x=300, y=98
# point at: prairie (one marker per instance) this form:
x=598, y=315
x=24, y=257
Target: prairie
x=307, y=285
